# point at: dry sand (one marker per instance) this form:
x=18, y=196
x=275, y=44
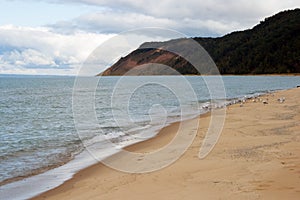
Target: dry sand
x=256, y=157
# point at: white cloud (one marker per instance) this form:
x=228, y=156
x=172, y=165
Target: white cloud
x=27, y=57
x=39, y=48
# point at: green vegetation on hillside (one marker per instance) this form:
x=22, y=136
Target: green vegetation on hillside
x=273, y=46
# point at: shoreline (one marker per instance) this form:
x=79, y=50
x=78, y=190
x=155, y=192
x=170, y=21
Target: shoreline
x=100, y=170
x=82, y=156
x=165, y=135
x=286, y=74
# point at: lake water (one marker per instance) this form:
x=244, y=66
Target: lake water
x=38, y=131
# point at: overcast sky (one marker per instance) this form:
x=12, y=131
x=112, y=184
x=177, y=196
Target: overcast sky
x=55, y=37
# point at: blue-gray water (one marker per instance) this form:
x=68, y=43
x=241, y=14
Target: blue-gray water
x=37, y=130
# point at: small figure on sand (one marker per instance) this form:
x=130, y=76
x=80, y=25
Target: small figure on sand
x=281, y=100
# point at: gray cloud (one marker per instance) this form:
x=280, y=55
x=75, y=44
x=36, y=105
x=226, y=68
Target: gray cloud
x=192, y=17
x=108, y=22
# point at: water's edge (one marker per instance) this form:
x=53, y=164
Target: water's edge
x=32, y=186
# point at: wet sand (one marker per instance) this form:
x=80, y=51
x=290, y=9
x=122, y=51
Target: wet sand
x=256, y=157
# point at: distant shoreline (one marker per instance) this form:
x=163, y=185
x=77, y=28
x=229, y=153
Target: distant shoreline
x=74, y=76
x=291, y=74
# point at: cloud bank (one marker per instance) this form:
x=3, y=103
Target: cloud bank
x=192, y=17
x=41, y=50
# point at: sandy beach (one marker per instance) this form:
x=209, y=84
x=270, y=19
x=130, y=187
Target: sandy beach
x=256, y=157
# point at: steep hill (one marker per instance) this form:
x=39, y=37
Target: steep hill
x=273, y=46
